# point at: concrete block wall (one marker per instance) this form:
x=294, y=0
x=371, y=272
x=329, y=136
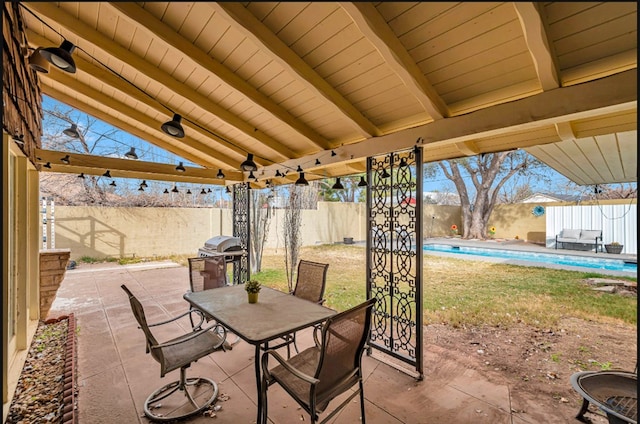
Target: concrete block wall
x=53, y=266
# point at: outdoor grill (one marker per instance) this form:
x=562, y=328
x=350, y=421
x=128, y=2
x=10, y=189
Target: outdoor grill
x=614, y=392
x=228, y=246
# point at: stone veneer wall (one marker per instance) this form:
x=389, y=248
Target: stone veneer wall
x=53, y=265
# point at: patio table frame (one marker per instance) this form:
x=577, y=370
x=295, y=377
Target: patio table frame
x=274, y=315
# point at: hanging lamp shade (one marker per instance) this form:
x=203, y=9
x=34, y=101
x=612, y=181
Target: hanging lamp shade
x=227, y=190
x=362, y=183
x=38, y=63
x=209, y=190
x=302, y=181
x=203, y=191
x=131, y=154
x=333, y=153
x=113, y=183
x=66, y=160
x=81, y=175
x=173, y=127
x=166, y=191
x=338, y=185
x=141, y=188
x=143, y=183
x=249, y=164
x=47, y=165
x=180, y=167
x=188, y=191
x=72, y=131
x=61, y=56
x=174, y=189
x=220, y=175
x=107, y=174
x=403, y=163
x=385, y=174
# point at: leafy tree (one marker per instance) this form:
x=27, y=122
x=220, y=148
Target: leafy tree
x=487, y=175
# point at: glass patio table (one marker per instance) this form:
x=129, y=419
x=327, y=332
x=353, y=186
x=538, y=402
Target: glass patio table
x=276, y=314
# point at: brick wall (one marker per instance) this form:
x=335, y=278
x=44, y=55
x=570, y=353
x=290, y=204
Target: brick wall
x=53, y=265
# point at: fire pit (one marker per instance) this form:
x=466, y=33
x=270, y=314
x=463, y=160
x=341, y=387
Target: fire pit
x=614, y=392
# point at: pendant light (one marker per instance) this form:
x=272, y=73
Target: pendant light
x=131, y=154
x=220, y=175
x=72, y=131
x=38, y=63
x=107, y=174
x=173, y=127
x=385, y=174
x=61, y=56
x=166, y=191
x=302, y=181
x=362, y=183
x=143, y=183
x=338, y=185
x=65, y=160
x=249, y=164
x=180, y=167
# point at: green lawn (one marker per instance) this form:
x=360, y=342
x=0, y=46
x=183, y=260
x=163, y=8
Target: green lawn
x=468, y=293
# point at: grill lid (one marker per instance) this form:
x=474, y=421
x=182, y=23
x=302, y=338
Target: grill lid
x=223, y=244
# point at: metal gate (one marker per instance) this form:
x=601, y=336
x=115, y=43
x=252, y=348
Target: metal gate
x=394, y=254
x=241, y=270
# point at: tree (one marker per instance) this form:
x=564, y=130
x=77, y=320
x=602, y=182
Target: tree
x=488, y=173
x=261, y=212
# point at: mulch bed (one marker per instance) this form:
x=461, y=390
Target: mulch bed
x=46, y=390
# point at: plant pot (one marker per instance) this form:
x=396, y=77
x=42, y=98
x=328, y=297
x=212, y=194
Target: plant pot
x=613, y=248
x=253, y=297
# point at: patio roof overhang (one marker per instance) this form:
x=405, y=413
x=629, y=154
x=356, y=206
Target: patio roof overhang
x=301, y=83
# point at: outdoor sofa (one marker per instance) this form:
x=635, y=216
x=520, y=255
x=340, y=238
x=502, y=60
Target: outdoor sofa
x=582, y=237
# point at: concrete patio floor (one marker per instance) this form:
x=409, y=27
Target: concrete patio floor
x=114, y=375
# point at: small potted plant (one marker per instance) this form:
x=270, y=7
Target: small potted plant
x=613, y=247
x=253, y=288
x=492, y=232
x=454, y=230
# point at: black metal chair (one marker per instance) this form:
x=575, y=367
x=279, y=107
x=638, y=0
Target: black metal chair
x=179, y=353
x=319, y=374
x=311, y=280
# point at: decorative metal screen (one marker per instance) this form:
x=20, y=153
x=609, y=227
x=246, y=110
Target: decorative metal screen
x=394, y=259
x=241, y=270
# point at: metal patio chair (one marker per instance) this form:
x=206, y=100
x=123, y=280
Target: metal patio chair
x=178, y=353
x=319, y=374
x=311, y=281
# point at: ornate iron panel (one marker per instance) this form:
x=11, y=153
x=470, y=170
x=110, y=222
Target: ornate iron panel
x=394, y=254
x=241, y=269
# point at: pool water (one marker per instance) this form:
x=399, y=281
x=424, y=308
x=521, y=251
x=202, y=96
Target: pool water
x=578, y=261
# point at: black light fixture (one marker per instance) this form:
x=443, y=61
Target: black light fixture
x=175, y=189
x=47, y=165
x=317, y=161
x=220, y=175
x=338, y=185
x=385, y=174
x=107, y=174
x=203, y=191
x=188, y=191
x=140, y=188
x=143, y=183
x=251, y=176
x=65, y=160
x=333, y=153
x=166, y=191
x=81, y=175
x=299, y=170
x=113, y=183
x=268, y=183
x=180, y=167
x=173, y=127
x=131, y=154
x=249, y=164
x=227, y=190
x=362, y=183
x=72, y=131
x=278, y=174
x=302, y=181
x=209, y=190
x=38, y=63
x=61, y=56
x=403, y=163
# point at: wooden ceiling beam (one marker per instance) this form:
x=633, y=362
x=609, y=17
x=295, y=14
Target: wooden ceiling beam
x=99, y=41
x=535, y=36
x=127, y=168
x=217, y=159
x=378, y=32
x=143, y=19
x=263, y=37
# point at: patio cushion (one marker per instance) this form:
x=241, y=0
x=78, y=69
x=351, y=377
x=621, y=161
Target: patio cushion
x=590, y=234
x=570, y=234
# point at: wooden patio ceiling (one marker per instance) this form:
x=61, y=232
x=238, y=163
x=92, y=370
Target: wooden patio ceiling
x=323, y=85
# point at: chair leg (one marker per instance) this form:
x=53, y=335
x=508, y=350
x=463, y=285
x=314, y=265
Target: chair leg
x=363, y=420
x=264, y=386
x=153, y=408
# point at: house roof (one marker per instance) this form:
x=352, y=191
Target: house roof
x=324, y=85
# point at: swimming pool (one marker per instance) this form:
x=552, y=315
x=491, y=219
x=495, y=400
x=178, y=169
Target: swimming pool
x=547, y=258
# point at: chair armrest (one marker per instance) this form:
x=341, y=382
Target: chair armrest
x=169, y=320
x=286, y=365
x=196, y=334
